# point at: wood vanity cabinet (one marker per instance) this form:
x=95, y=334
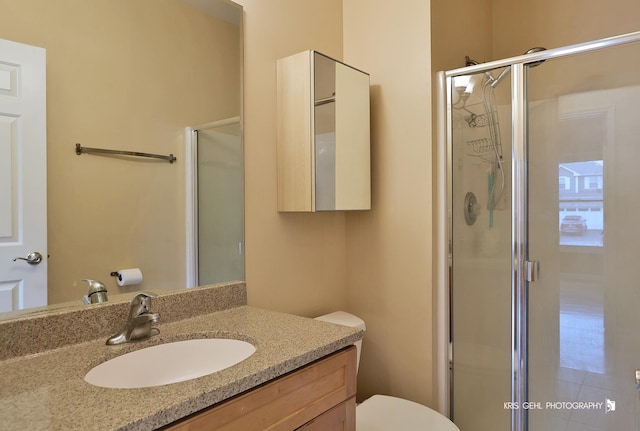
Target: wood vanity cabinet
x=323, y=137
x=317, y=397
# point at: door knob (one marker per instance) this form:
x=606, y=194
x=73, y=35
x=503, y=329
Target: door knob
x=32, y=258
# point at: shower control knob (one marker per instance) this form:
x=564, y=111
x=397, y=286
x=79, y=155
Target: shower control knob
x=470, y=208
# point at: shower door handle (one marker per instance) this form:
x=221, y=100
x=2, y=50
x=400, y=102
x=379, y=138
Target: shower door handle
x=531, y=270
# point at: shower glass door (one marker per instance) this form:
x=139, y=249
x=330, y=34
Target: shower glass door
x=220, y=188
x=584, y=229
x=545, y=170
x=480, y=212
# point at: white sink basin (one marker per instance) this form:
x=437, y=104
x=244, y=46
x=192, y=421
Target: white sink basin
x=169, y=363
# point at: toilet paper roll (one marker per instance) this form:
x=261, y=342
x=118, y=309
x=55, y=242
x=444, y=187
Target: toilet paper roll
x=127, y=277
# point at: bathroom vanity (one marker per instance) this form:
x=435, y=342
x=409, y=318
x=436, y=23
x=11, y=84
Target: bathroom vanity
x=320, y=396
x=301, y=376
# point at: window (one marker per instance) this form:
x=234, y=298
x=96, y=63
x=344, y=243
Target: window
x=593, y=182
x=581, y=203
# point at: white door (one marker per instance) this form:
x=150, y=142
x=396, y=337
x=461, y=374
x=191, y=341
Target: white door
x=23, y=176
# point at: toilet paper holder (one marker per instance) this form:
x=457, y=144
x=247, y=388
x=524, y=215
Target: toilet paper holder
x=126, y=277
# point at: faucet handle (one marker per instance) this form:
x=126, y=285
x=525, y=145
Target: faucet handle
x=141, y=296
x=96, y=291
x=141, y=303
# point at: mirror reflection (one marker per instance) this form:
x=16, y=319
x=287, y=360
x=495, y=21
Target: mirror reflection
x=220, y=179
x=120, y=75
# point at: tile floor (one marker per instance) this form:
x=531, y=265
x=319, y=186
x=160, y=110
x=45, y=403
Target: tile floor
x=586, y=372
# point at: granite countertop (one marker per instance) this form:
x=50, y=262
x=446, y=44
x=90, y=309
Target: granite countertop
x=46, y=390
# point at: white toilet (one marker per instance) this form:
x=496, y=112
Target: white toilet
x=385, y=413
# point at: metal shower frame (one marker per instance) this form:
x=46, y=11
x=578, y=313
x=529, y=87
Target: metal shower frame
x=519, y=239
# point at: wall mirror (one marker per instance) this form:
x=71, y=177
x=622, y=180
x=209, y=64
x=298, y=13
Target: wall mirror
x=125, y=75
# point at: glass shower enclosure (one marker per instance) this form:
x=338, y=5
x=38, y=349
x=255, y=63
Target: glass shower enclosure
x=541, y=227
x=219, y=161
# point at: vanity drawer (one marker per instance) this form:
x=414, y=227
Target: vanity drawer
x=288, y=402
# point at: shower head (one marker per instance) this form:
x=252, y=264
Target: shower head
x=506, y=71
x=500, y=77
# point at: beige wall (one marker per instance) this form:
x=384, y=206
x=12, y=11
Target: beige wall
x=379, y=263
x=295, y=262
x=389, y=257
x=376, y=264
x=518, y=26
x=129, y=76
x=487, y=30
x=460, y=28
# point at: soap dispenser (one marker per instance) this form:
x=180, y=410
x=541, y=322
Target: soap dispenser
x=97, y=292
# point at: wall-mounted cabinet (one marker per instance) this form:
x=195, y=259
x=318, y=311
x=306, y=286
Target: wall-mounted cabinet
x=323, y=140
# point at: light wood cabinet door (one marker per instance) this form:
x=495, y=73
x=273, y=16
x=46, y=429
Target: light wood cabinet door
x=340, y=418
x=289, y=402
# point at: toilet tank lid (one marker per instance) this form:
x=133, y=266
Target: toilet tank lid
x=343, y=318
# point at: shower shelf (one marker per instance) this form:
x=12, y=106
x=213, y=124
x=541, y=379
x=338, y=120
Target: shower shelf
x=480, y=146
x=87, y=150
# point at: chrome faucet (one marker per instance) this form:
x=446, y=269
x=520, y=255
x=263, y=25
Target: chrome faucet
x=140, y=321
x=97, y=292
